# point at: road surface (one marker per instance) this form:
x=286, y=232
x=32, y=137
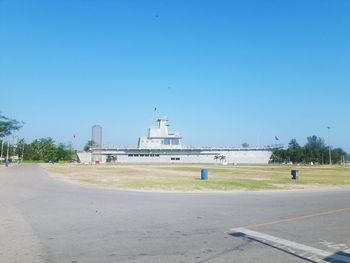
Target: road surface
x=43, y=219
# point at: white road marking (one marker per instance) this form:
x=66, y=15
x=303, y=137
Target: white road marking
x=333, y=245
x=291, y=244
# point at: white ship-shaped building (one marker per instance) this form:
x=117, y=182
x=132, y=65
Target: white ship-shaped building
x=162, y=146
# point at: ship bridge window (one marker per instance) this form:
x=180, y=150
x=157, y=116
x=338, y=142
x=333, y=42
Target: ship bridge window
x=166, y=141
x=175, y=141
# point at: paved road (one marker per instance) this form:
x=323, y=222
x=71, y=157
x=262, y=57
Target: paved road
x=47, y=220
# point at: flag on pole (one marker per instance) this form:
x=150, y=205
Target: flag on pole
x=276, y=138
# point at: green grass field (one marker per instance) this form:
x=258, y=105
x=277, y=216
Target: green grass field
x=167, y=177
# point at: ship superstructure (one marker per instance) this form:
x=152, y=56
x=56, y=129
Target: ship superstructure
x=160, y=137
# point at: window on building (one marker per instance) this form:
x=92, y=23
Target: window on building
x=130, y=155
x=173, y=158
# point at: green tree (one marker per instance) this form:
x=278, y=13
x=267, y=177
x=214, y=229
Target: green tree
x=294, y=152
x=245, y=145
x=293, y=144
x=314, y=149
x=338, y=155
x=111, y=159
x=216, y=158
x=64, y=152
x=43, y=149
x=88, y=146
x=7, y=126
x=46, y=150
x=279, y=156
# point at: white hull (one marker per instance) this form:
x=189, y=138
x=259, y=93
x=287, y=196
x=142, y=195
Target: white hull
x=231, y=156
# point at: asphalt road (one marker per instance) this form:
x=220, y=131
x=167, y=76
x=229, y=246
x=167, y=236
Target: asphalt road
x=43, y=219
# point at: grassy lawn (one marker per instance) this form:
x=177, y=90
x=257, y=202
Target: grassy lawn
x=176, y=177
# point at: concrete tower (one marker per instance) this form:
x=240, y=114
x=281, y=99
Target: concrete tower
x=96, y=138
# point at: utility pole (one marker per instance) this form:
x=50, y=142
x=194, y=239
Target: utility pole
x=7, y=153
x=2, y=149
x=329, y=146
x=14, y=148
x=22, y=151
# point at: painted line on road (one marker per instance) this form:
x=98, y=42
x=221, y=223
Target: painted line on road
x=290, y=244
x=298, y=218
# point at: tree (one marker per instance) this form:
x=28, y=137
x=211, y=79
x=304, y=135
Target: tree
x=43, y=149
x=46, y=150
x=295, y=152
x=279, y=156
x=222, y=158
x=315, y=142
x=111, y=159
x=88, y=146
x=216, y=158
x=293, y=144
x=245, y=145
x=338, y=155
x=64, y=152
x=7, y=126
x=314, y=149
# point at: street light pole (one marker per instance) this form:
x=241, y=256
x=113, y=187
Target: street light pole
x=7, y=153
x=2, y=149
x=22, y=151
x=329, y=146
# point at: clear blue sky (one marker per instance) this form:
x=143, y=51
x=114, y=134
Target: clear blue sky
x=224, y=72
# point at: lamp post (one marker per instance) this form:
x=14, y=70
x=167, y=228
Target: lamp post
x=22, y=150
x=7, y=153
x=2, y=149
x=329, y=146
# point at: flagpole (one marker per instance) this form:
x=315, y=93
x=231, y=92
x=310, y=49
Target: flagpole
x=155, y=114
x=74, y=144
